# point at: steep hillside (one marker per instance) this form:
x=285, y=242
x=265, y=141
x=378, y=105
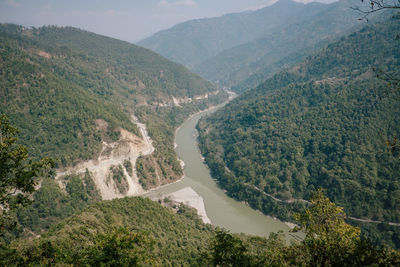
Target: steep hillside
x=247, y=65
x=323, y=123
x=192, y=42
x=126, y=66
x=73, y=93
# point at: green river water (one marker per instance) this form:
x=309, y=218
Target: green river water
x=222, y=210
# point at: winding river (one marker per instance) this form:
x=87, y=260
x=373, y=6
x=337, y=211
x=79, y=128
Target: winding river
x=223, y=211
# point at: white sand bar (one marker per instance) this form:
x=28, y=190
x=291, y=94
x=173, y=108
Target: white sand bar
x=190, y=198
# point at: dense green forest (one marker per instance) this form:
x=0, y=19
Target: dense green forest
x=177, y=236
x=56, y=117
x=57, y=81
x=50, y=205
x=323, y=123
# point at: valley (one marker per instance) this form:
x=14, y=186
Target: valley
x=220, y=209
x=266, y=137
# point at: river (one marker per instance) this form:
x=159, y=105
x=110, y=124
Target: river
x=222, y=210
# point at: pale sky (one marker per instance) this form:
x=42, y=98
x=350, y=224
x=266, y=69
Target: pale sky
x=129, y=20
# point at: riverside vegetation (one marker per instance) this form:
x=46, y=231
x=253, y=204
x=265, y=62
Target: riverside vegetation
x=322, y=123
x=140, y=232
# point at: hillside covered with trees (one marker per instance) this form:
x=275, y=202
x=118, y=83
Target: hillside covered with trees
x=56, y=82
x=323, y=123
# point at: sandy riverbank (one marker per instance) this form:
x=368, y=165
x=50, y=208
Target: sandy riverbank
x=190, y=198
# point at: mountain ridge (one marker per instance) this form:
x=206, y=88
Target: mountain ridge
x=247, y=65
x=202, y=38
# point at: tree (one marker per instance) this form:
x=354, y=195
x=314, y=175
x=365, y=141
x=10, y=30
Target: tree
x=375, y=6
x=330, y=241
x=328, y=237
x=226, y=250
x=120, y=248
x=391, y=79
x=18, y=173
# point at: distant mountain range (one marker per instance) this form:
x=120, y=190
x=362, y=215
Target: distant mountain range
x=242, y=50
x=192, y=42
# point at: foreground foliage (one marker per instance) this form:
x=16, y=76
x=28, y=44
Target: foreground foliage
x=329, y=241
x=139, y=232
x=18, y=174
x=25, y=210
x=116, y=232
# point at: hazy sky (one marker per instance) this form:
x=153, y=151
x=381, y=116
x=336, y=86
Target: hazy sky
x=130, y=20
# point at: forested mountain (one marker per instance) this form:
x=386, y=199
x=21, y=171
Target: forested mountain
x=247, y=65
x=192, y=42
x=69, y=90
x=322, y=123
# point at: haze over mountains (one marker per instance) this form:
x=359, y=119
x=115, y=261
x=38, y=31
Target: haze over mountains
x=241, y=50
x=192, y=42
